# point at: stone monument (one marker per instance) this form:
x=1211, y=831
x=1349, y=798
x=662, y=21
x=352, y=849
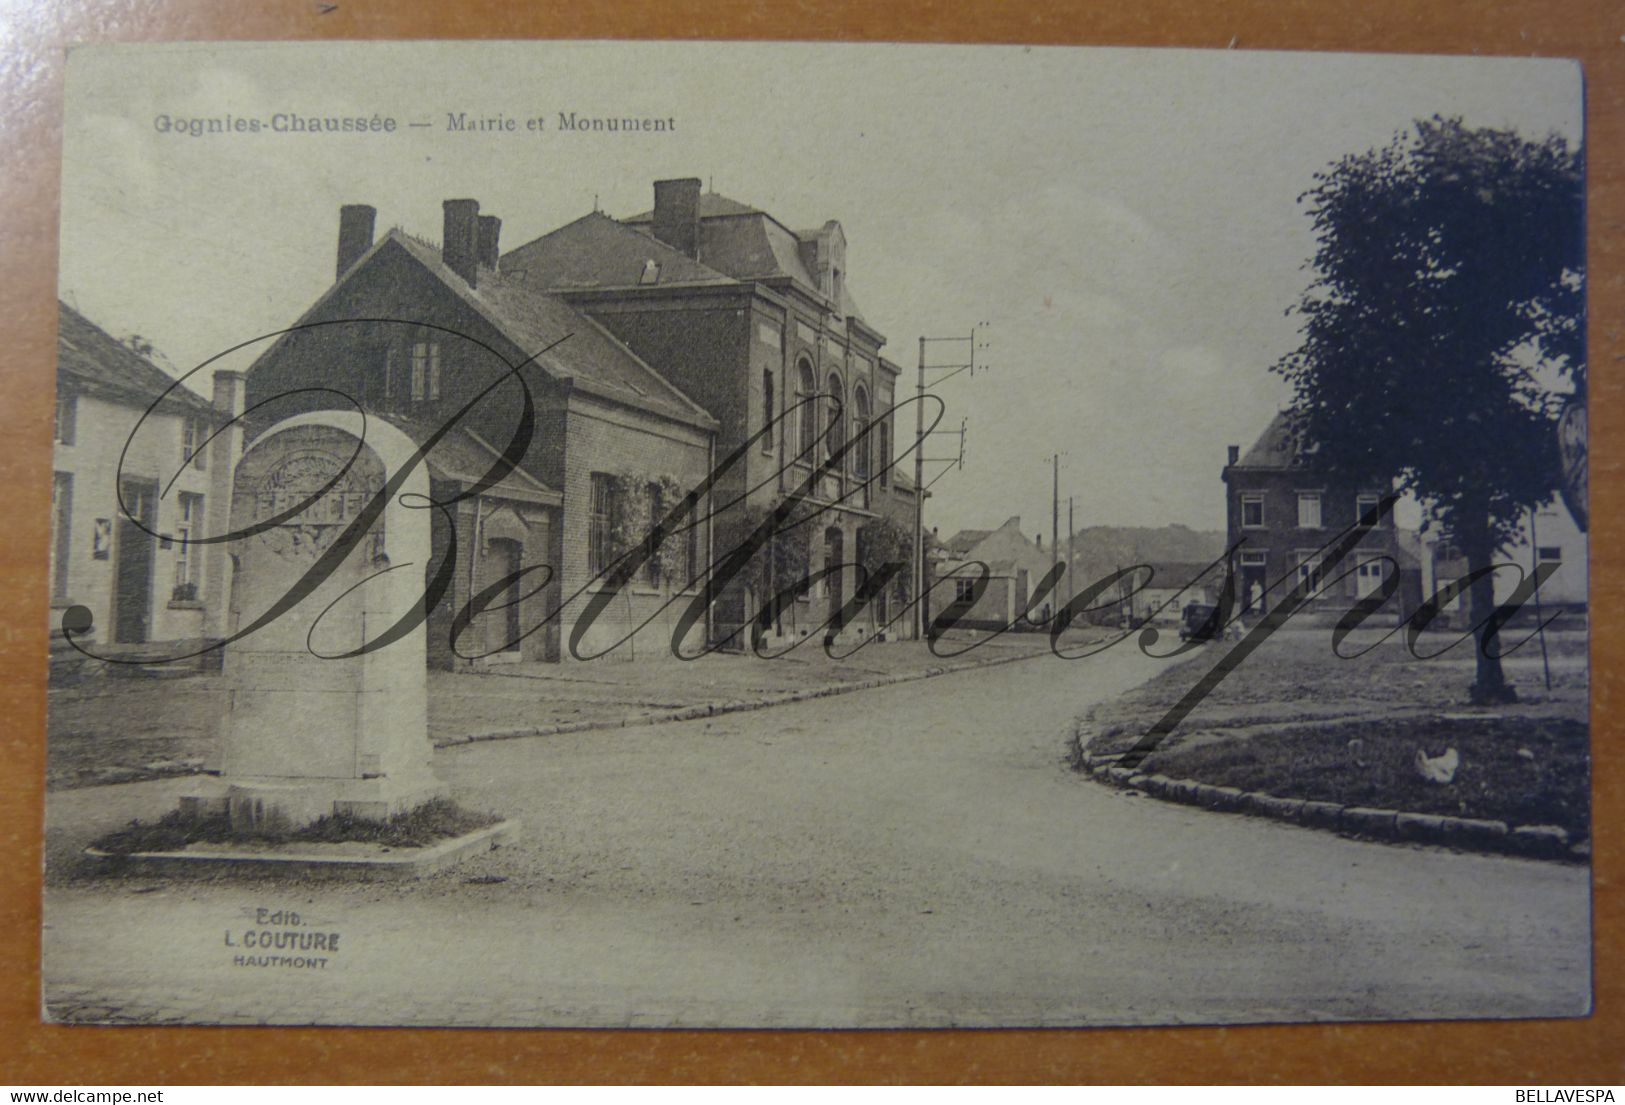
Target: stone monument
x=311, y=731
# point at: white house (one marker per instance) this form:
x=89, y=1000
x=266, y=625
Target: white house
x=132, y=563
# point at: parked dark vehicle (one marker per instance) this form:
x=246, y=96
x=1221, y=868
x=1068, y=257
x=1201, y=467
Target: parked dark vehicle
x=1199, y=621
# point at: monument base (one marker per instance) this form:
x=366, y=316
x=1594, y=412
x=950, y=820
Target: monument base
x=270, y=805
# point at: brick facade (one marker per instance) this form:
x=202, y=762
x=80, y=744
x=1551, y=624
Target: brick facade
x=1283, y=510
x=733, y=323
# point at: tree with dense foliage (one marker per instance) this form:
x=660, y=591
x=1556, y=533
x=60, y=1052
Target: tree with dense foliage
x=1442, y=332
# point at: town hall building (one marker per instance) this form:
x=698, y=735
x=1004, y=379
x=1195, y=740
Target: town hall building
x=757, y=323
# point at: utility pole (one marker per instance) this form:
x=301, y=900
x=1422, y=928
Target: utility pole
x=919, y=499
x=1055, y=516
x=1071, y=533
x=1540, y=618
x=921, y=615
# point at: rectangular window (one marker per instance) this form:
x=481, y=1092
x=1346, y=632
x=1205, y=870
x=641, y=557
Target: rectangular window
x=61, y=536
x=600, y=521
x=1363, y=505
x=883, y=450
x=1252, y=510
x=187, y=577
x=964, y=590
x=657, y=509
x=1255, y=559
x=1308, y=510
x=425, y=371
x=769, y=410
x=66, y=418
x=1549, y=552
x=194, y=432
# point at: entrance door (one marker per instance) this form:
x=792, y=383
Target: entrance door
x=833, y=542
x=506, y=558
x=1368, y=578
x=132, y=565
x=1253, y=583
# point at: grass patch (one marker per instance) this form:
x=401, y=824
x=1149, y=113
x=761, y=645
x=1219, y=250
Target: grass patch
x=436, y=820
x=1521, y=770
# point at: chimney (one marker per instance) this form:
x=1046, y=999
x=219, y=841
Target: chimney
x=459, y=242
x=355, y=233
x=677, y=214
x=490, y=231
x=1235, y=453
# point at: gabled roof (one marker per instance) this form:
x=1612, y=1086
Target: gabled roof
x=965, y=540
x=91, y=361
x=464, y=456
x=591, y=358
x=1279, y=446
x=595, y=251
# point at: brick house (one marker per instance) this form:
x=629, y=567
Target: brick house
x=1283, y=510
x=411, y=332
x=757, y=323
x=136, y=477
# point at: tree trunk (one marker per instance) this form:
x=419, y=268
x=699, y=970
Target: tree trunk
x=1490, y=686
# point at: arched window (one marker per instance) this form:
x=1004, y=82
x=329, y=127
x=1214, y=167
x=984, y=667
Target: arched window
x=860, y=423
x=808, y=418
x=837, y=416
x=769, y=410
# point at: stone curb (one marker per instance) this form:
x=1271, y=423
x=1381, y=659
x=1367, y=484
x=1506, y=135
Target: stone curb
x=716, y=709
x=1470, y=834
x=402, y=864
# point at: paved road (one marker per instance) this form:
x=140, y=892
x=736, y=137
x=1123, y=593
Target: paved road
x=911, y=855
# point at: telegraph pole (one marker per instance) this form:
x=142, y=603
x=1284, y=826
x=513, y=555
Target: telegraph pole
x=920, y=613
x=1071, y=533
x=919, y=499
x=1055, y=516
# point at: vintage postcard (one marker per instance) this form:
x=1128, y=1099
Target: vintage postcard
x=770, y=535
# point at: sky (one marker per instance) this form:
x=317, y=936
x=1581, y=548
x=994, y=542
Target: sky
x=1125, y=222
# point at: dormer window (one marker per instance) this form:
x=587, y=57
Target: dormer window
x=651, y=272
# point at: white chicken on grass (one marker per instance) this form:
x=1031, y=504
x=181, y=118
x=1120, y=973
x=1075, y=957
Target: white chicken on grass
x=1437, y=769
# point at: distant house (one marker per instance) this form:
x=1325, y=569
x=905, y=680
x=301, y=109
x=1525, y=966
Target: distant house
x=1169, y=587
x=1016, y=566
x=1282, y=510
x=1186, y=566
x=412, y=332
x=128, y=495
x=1550, y=537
